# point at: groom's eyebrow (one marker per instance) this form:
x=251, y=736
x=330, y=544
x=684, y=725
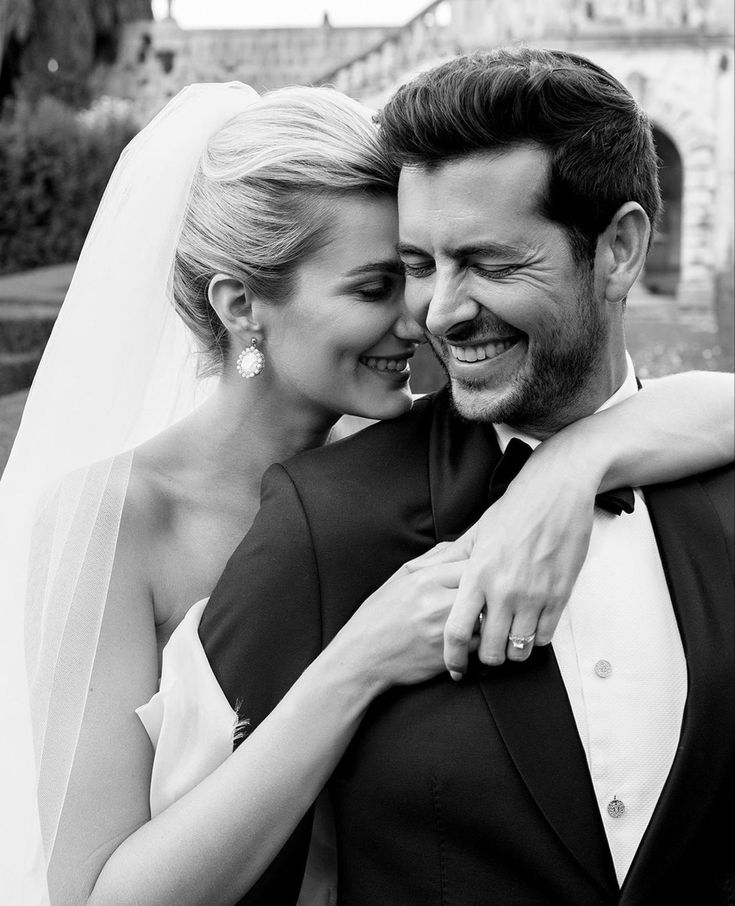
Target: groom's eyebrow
x=489, y=249
x=404, y=248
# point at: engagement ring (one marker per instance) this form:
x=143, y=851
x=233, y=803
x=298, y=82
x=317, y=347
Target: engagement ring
x=520, y=641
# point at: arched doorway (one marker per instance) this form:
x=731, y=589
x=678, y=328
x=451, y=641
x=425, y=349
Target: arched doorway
x=663, y=266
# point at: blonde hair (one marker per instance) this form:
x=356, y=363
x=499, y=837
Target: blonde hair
x=260, y=199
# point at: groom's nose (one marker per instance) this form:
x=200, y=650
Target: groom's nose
x=450, y=304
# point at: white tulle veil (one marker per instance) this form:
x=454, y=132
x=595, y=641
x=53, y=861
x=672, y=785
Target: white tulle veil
x=118, y=368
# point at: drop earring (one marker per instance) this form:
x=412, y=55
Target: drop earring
x=251, y=361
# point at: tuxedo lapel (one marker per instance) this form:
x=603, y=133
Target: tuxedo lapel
x=527, y=702
x=462, y=456
x=530, y=707
x=695, y=559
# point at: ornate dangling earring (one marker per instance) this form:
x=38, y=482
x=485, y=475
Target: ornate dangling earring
x=251, y=361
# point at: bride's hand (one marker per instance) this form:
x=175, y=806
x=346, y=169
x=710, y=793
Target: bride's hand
x=524, y=556
x=396, y=637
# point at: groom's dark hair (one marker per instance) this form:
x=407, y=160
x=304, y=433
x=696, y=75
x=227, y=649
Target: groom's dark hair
x=600, y=141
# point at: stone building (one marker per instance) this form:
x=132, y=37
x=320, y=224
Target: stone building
x=676, y=56
x=157, y=58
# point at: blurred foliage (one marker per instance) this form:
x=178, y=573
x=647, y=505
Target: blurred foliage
x=76, y=35
x=15, y=21
x=54, y=165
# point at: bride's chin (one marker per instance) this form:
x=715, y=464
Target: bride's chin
x=390, y=405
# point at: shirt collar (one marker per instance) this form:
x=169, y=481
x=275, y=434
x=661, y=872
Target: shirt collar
x=628, y=388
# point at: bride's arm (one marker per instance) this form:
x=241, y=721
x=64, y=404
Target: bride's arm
x=210, y=846
x=525, y=553
x=676, y=426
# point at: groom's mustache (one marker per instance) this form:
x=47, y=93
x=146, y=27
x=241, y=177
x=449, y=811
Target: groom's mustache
x=480, y=329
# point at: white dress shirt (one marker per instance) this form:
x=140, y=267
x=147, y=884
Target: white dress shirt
x=620, y=655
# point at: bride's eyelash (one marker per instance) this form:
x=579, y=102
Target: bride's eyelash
x=377, y=289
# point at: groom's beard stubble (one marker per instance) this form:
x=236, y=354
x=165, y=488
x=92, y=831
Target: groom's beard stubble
x=548, y=384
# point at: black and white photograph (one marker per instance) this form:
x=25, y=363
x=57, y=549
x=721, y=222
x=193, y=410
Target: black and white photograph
x=367, y=428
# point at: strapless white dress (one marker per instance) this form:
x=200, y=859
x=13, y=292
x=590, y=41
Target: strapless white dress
x=191, y=725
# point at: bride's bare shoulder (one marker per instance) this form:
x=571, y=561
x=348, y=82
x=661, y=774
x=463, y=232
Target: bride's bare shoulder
x=147, y=514
x=154, y=485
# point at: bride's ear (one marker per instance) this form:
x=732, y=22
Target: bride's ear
x=230, y=298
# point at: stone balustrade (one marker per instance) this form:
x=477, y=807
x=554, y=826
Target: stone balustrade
x=445, y=27
x=427, y=34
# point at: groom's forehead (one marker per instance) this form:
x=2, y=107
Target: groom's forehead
x=518, y=163
x=458, y=192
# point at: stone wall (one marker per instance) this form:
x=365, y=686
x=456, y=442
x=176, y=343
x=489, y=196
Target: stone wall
x=157, y=59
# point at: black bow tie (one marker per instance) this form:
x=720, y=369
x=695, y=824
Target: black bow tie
x=515, y=457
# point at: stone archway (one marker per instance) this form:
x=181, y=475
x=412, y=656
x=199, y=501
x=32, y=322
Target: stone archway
x=663, y=267
x=684, y=252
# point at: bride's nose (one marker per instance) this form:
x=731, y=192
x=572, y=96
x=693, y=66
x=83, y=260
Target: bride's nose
x=407, y=328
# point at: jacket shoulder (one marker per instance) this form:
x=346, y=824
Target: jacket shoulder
x=719, y=486
x=707, y=498
x=380, y=451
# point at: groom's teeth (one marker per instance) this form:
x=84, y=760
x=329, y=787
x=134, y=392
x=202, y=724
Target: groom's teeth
x=480, y=353
x=384, y=364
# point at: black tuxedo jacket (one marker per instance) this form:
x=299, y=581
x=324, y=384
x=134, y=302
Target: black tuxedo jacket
x=478, y=792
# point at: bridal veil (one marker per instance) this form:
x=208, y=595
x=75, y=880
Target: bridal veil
x=118, y=368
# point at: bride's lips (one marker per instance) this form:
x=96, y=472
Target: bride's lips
x=392, y=367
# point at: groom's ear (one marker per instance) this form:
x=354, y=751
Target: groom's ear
x=230, y=298
x=621, y=251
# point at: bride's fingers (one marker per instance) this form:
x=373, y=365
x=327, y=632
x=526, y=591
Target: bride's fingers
x=427, y=557
x=443, y=552
x=495, y=630
x=547, y=622
x=460, y=628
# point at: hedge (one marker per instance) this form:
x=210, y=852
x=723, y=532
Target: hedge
x=54, y=165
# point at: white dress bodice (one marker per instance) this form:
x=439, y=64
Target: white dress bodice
x=191, y=724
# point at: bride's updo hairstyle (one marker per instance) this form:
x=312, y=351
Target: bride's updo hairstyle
x=262, y=199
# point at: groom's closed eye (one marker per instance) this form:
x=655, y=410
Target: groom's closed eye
x=414, y=261
x=418, y=270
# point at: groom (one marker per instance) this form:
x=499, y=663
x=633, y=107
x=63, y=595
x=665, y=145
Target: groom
x=599, y=771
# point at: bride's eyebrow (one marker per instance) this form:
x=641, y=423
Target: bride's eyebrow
x=389, y=265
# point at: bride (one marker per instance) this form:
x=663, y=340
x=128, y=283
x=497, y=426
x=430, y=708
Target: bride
x=270, y=224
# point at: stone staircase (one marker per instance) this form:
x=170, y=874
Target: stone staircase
x=374, y=74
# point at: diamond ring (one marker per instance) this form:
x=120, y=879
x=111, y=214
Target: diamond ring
x=520, y=641
x=478, y=623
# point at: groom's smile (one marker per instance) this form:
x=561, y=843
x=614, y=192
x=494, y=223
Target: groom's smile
x=481, y=352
